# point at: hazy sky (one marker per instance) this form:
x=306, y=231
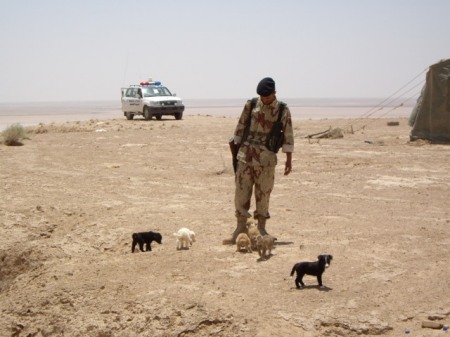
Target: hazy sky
x=58, y=50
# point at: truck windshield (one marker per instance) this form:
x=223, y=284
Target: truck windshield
x=152, y=91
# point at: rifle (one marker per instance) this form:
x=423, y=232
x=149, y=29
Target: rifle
x=234, y=148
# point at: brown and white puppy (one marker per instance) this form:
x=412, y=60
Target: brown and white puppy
x=265, y=244
x=253, y=232
x=243, y=241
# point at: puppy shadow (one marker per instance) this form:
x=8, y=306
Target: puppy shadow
x=323, y=288
x=182, y=248
x=266, y=258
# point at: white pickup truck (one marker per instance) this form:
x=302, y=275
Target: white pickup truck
x=150, y=99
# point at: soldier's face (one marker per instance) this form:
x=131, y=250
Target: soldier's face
x=266, y=100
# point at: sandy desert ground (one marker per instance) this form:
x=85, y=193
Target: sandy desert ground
x=75, y=192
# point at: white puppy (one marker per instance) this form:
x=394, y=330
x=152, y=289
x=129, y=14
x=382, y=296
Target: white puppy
x=185, y=238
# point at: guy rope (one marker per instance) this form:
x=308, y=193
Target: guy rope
x=393, y=102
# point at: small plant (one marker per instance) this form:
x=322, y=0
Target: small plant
x=13, y=135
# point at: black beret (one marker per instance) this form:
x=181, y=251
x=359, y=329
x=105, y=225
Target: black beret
x=265, y=87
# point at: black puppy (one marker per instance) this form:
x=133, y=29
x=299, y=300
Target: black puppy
x=311, y=268
x=145, y=237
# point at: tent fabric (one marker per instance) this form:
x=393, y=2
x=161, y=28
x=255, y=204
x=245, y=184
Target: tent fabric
x=430, y=118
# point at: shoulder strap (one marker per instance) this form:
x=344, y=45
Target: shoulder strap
x=249, y=120
x=252, y=106
x=281, y=109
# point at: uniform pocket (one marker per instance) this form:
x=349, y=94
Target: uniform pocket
x=242, y=154
x=267, y=158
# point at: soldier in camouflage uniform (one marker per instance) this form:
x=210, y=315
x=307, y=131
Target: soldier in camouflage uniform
x=256, y=164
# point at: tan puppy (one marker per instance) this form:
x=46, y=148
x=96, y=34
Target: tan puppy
x=253, y=232
x=243, y=241
x=265, y=245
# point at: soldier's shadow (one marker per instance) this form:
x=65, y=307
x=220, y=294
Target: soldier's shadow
x=277, y=243
x=283, y=243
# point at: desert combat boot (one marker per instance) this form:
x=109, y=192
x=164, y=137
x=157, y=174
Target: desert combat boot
x=262, y=226
x=241, y=227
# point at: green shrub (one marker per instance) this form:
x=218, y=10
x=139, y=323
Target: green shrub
x=14, y=134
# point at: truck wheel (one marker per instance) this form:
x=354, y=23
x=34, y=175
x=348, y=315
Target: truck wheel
x=129, y=115
x=178, y=116
x=147, y=114
x=158, y=116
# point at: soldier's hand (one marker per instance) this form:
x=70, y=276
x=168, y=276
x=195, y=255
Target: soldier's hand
x=287, y=167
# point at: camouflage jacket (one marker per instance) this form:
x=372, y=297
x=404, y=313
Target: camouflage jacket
x=253, y=151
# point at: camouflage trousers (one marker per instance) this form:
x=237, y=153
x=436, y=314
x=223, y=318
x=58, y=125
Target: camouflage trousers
x=262, y=178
